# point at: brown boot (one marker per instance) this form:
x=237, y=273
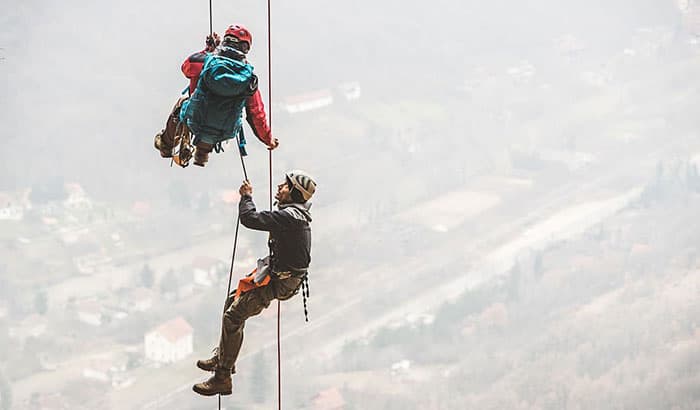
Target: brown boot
x=201, y=154
x=208, y=365
x=220, y=383
x=165, y=139
x=165, y=149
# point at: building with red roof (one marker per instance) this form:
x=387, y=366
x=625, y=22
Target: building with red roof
x=308, y=102
x=329, y=399
x=170, y=342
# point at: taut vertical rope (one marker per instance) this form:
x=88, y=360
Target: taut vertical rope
x=269, y=104
x=245, y=174
x=211, y=20
x=233, y=253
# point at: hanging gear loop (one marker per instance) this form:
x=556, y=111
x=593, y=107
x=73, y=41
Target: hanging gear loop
x=183, y=140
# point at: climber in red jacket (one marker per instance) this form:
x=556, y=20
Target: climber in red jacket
x=237, y=40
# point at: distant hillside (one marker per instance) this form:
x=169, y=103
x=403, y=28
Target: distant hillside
x=605, y=321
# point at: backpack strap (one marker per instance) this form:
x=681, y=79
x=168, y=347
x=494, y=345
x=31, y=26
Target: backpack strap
x=242, y=142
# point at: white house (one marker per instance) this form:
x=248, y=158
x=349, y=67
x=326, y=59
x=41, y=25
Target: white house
x=329, y=399
x=90, y=263
x=522, y=71
x=108, y=369
x=351, y=90
x=89, y=312
x=690, y=10
x=204, y=270
x=99, y=370
x=308, y=102
x=11, y=207
x=141, y=300
x=11, y=213
x=77, y=199
x=169, y=342
x=33, y=326
x=400, y=367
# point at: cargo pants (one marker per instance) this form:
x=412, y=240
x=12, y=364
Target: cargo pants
x=249, y=304
x=165, y=141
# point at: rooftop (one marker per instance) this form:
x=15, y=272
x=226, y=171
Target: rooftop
x=175, y=329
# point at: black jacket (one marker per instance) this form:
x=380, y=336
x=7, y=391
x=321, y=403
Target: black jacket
x=290, y=233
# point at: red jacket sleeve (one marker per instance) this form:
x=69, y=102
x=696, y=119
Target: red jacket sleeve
x=255, y=115
x=192, y=67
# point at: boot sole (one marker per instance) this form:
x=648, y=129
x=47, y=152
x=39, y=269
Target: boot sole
x=209, y=393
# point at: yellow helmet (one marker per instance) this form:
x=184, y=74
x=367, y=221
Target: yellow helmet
x=301, y=182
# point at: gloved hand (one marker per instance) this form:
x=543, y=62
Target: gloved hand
x=212, y=42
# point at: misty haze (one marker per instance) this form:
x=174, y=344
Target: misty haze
x=506, y=211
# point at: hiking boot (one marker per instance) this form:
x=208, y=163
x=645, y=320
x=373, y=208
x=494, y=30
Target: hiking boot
x=166, y=150
x=201, y=154
x=208, y=365
x=219, y=383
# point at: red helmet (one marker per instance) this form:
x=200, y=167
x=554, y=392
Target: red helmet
x=240, y=33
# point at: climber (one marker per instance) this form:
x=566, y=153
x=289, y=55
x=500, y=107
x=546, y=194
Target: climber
x=279, y=276
x=222, y=85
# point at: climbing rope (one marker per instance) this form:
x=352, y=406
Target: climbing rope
x=235, y=246
x=211, y=25
x=269, y=109
x=238, y=219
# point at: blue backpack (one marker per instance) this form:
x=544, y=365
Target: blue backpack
x=214, y=111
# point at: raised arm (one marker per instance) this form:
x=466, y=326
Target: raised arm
x=255, y=115
x=260, y=221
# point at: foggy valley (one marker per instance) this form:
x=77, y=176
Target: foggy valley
x=506, y=214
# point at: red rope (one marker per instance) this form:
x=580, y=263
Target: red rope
x=269, y=104
x=235, y=242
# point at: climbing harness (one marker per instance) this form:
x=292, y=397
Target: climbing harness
x=184, y=144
